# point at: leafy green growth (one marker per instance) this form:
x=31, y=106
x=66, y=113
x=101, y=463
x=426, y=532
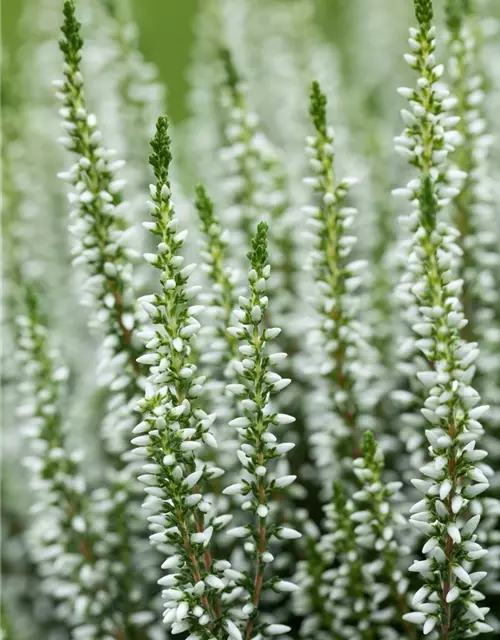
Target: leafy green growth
x=372, y=460
x=72, y=43
x=455, y=12
x=424, y=13
x=258, y=254
x=317, y=108
x=232, y=77
x=205, y=208
x=428, y=204
x=161, y=157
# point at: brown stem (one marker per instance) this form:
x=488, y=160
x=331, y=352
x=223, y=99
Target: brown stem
x=449, y=546
x=259, y=572
x=207, y=556
x=343, y=383
x=195, y=567
x=126, y=333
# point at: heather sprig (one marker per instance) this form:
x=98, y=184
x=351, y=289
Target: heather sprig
x=352, y=580
x=348, y=584
x=99, y=225
x=342, y=380
x=219, y=349
x=222, y=298
x=175, y=429
x=70, y=545
x=473, y=207
x=97, y=214
x=378, y=526
x=455, y=474
x=255, y=177
x=259, y=446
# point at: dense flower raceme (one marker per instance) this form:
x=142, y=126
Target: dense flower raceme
x=473, y=207
x=223, y=283
x=255, y=524
x=176, y=430
x=98, y=223
x=70, y=538
x=343, y=591
x=258, y=444
x=219, y=349
x=343, y=371
x=255, y=180
x=455, y=474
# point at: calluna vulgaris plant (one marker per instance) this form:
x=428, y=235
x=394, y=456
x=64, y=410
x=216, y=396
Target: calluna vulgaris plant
x=300, y=413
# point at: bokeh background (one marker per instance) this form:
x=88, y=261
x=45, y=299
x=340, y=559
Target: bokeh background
x=167, y=38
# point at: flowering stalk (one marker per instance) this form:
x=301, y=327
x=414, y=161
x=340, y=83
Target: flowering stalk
x=175, y=428
x=351, y=577
x=65, y=530
x=258, y=444
x=455, y=475
x=348, y=585
x=219, y=349
x=257, y=181
x=473, y=207
x=100, y=227
x=337, y=280
x=98, y=209
x=378, y=522
x=223, y=295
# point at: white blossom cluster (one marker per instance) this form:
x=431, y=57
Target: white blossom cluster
x=455, y=474
x=254, y=178
x=175, y=430
x=342, y=374
x=219, y=349
x=70, y=547
x=258, y=444
x=342, y=592
x=97, y=222
x=474, y=213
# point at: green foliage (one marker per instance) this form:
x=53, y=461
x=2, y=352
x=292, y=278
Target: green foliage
x=232, y=77
x=317, y=108
x=72, y=43
x=161, y=157
x=424, y=12
x=258, y=254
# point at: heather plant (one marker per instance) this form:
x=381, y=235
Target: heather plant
x=297, y=435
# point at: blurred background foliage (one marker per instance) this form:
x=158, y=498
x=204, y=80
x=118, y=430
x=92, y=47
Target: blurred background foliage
x=166, y=37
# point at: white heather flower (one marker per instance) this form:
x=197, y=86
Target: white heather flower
x=473, y=208
x=66, y=519
x=255, y=181
x=174, y=417
x=101, y=247
x=433, y=264
x=257, y=441
x=343, y=368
